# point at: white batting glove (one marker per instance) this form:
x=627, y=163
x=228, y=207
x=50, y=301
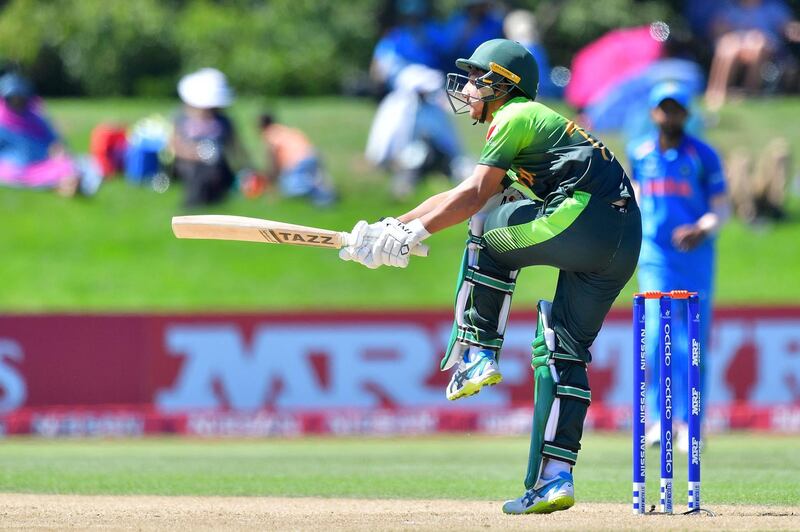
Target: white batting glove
x=393, y=246
x=359, y=244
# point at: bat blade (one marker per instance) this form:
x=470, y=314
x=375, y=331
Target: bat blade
x=223, y=227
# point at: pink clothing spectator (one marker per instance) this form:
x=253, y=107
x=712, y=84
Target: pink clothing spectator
x=30, y=153
x=43, y=174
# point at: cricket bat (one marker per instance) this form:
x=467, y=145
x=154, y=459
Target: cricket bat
x=223, y=227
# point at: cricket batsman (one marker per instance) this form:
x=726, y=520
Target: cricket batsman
x=544, y=192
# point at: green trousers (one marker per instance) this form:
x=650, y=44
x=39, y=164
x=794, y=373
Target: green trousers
x=595, y=245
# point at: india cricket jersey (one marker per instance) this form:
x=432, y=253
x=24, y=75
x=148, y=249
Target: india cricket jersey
x=676, y=187
x=544, y=151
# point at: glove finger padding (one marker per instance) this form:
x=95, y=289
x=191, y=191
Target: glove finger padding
x=370, y=261
x=363, y=253
x=359, y=244
x=356, y=237
x=386, y=248
x=393, y=246
x=352, y=240
x=345, y=254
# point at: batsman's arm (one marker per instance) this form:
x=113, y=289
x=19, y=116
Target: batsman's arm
x=425, y=207
x=459, y=203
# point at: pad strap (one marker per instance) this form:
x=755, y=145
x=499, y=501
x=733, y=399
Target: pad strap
x=472, y=275
x=574, y=392
x=549, y=358
x=476, y=240
x=556, y=452
x=568, y=357
x=469, y=336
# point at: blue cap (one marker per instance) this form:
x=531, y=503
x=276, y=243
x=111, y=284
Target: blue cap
x=12, y=84
x=670, y=90
x=412, y=7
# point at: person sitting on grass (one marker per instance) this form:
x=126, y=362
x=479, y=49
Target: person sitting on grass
x=411, y=134
x=31, y=154
x=750, y=36
x=204, y=140
x=296, y=166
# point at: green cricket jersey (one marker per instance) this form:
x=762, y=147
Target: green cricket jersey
x=544, y=151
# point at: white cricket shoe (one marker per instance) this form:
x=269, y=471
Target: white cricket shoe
x=477, y=369
x=557, y=494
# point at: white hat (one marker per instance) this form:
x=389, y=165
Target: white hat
x=520, y=25
x=419, y=78
x=205, y=89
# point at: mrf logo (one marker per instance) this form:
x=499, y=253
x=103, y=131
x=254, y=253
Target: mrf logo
x=295, y=366
x=695, y=451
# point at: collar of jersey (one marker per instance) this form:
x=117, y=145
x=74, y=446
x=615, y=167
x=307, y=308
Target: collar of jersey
x=680, y=148
x=517, y=99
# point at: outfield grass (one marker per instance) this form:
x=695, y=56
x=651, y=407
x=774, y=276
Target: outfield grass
x=737, y=468
x=116, y=252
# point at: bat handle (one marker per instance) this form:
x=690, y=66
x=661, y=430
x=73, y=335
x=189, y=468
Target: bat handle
x=420, y=250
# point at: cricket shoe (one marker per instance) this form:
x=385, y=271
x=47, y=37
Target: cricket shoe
x=557, y=494
x=477, y=369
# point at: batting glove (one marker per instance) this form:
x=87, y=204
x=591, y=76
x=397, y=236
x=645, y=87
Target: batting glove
x=359, y=244
x=393, y=246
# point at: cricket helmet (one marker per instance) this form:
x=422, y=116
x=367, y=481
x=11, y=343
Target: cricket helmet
x=507, y=64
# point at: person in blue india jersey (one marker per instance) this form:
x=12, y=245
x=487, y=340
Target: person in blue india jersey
x=683, y=198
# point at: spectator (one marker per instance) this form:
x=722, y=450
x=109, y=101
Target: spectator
x=31, y=154
x=204, y=140
x=701, y=14
x=296, y=165
x=467, y=28
x=759, y=193
x=412, y=134
x=520, y=25
x=748, y=35
x=683, y=199
x=415, y=39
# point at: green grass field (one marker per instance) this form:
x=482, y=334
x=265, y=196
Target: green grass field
x=116, y=252
x=737, y=468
